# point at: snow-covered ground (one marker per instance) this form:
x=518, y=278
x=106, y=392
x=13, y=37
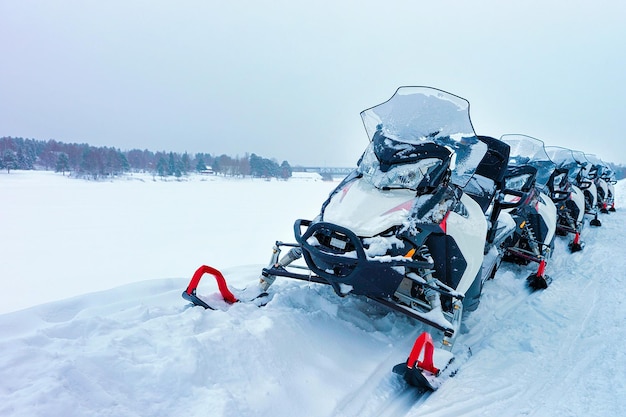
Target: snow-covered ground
x=93, y=322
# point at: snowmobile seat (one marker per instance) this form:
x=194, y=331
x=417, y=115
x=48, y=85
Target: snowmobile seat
x=494, y=163
x=490, y=173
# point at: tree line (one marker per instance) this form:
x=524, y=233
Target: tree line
x=83, y=160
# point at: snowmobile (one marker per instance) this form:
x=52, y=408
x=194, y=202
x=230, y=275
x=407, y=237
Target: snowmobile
x=400, y=229
x=569, y=199
x=609, y=177
x=599, y=169
x=529, y=170
x=585, y=181
x=488, y=187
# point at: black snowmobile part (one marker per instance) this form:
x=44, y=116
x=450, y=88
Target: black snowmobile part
x=525, y=193
x=559, y=195
x=338, y=266
x=279, y=271
x=400, y=308
x=523, y=254
x=576, y=247
x=494, y=163
x=539, y=280
x=595, y=221
x=193, y=298
x=492, y=167
x=391, y=153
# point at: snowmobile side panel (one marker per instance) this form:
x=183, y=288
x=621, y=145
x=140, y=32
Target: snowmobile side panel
x=547, y=211
x=578, y=198
x=469, y=232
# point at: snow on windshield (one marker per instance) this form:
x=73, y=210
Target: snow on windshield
x=417, y=115
x=400, y=176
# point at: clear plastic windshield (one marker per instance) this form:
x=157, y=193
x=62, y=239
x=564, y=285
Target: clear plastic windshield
x=419, y=115
x=564, y=158
x=526, y=150
x=579, y=156
x=598, y=163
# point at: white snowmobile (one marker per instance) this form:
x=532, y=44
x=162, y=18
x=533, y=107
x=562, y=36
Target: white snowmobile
x=598, y=171
x=568, y=198
x=400, y=229
x=585, y=180
x=488, y=187
x=534, y=212
x=609, y=177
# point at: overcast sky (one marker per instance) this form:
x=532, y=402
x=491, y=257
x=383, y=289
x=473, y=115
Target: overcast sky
x=288, y=79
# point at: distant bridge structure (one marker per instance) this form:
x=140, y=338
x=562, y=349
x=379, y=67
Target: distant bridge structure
x=325, y=171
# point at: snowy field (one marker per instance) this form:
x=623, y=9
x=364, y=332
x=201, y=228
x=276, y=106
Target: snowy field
x=92, y=322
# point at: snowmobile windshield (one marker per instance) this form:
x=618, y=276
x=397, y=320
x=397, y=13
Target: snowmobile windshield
x=564, y=158
x=416, y=117
x=526, y=150
x=597, y=163
x=585, y=171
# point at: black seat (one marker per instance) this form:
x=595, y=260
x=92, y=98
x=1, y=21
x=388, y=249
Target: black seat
x=489, y=175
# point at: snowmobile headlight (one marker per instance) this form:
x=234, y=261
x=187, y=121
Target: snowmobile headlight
x=407, y=176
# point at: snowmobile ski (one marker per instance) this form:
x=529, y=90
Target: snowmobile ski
x=427, y=367
x=190, y=293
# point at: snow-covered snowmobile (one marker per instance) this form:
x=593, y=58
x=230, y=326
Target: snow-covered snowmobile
x=598, y=172
x=488, y=187
x=585, y=180
x=535, y=214
x=568, y=198
x=609, y=177
x=400, y=229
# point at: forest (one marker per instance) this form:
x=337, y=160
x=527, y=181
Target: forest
x=86, y=161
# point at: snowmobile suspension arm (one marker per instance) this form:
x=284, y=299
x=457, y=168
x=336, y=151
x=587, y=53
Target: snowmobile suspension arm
x=448, y=331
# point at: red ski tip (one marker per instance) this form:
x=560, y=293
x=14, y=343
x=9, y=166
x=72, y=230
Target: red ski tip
x=424, y=343
x=221, y=283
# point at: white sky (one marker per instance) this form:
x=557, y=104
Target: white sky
x=287, y=79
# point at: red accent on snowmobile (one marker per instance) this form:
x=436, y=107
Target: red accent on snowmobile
x=542, y=268
x=404, y=206
x=576, y=239
x=221, y=283
x=444, y=223
x=423, y=342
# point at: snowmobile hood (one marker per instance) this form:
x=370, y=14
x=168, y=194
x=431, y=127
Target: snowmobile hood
x=366, y=210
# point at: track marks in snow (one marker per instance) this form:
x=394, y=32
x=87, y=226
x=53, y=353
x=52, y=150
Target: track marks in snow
x=557, y=351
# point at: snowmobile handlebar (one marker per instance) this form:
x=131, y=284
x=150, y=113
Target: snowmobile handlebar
x=337, y=255
x=511, y=204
